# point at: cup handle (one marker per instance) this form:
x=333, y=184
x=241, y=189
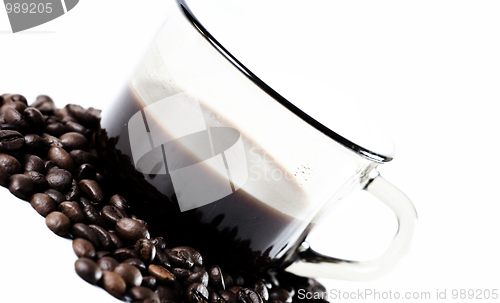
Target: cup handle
x=313, y=264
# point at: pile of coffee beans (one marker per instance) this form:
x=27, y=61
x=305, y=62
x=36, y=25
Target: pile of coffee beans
x=48, y=158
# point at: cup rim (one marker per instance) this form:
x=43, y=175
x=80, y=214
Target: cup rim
x=364, y=152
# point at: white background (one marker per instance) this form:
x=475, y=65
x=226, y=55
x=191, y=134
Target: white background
x=427, y=71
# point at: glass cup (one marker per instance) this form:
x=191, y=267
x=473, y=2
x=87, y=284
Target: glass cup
x=214, y=158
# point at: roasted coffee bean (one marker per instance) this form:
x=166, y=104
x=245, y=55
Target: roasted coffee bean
x=149, y=282
x=161, y=274
x=105, y=241
x=34, y=163
x=118, y=202
x=81, y=157
x=84, y=202
x=80, y=230
x=145, y=249
x=83, y=248
x=131, y=230
x=198, y=277
x=34, y=144
x=196, y=292
x=216, y=278
x=247, y=295
x=74, y=192
x=260, y=288
x=85, y=171
x=112, y=215
x=61, y=158
x=181, y=257
x=19, y=106
x=35, y=118
x=11, y=165
x=44, y=104
x=162, y=259
x=160, y=243
x=102, y=253
x=12, y=116
x=138, y=264
x=180, y=274
x=59, y=179
x=122, y=254
x=43, y=204
x=10, y=141
x=4, y=126
x=99, y=177
x=92, y=190
x=77, y=127
x=73, y=211
x=88, y=117
x=113, y=284
x=4, y=177
x=165, y=293
x=21, y=186
x=235, y=289
x=49, y=165
x=107, y=263
x=74, y=140
x=39, y=181
x=93, y=216
x=58, y=222
x=14, y=98
x=228, y=296
x=130, y=274
x=278, y=293
x=143, y=294
x=51, y=141
x=52, y=119
x=55, y=195
x=88, y=270
x=116, y=240
x=55, y=129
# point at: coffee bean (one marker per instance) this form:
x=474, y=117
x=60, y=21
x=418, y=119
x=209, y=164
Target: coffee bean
x=103, y=253
x=143, y=294
x=81, y=157
x=14, y=98
x=85, y=171
x=180, y=274
x=34, y=144
x=44, y=104
x=198, y=277
x=59, y=179
x=118, y=202
x=162, y=259
x=161, y=274
x=34, y=163
x=196, y=292
x=145, y=249
x=122, y=254
x=160, y=243
x=138, y=264
x=83, y=248
x=73, y=211
x=61, y=158
x=130, y=274
x=74, y=192
x=247, y=295
x=103, y=236
x=113, y=284
x=49, y=165
x=55, y=195
x=112, y=215
x=80, y=230
x=216, y=278
x=35, y=118
x=278, y=293
x=72, y=126
x=84, y=202
x=10, y=164
x=93, y=216
x=131, y=230
x=39, y=181
x=181, y=257
x=12, y=116
x=116, y=240
x=107, y=263
x=74, y=140
x=260, y=288
x=88, y=117
x=228, y=296
x=55, y=129
x=165, y=293
x=88, y=270
x=19, y=106
x=43, y=204
x=21, y=186
x=235, y=289
x=10, y=141
x=51, y=141
x=4, y=126
x=4, y=177
x=58, y=222
x=228, y=280
x=91, y=189
x=149, y=282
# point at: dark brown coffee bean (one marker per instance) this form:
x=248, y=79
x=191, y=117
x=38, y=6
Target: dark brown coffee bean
x=162, y=259
x=14, y=98
x=72, y=126
x=197, y=277
x=10, y=164
x=131, y=230
x=21, y=186
x=118, y=202
x=51, y=141
x=4, y=126
x=278, y=293
x=83, y=248
x=166, y=294
x=85, y=171
x=4, y=177
x=228, y=296
x=35, y=118
x=74, y=192
x=61, y=158
x=234, y=289
x=247, y=295
x=107, y=263
x=196, y=292
x=59, y=179
x=19, y=106
x=181, y=257
x=161, y=274
x=74, y=140
x=113, y=284
x=130, y=274
x=138, y=264
x=105, y=241
x=43, y=204
x=88, y=270
x=55, y=129
x=99, y=177
x=55, y=195
x=88, y=117
x=10, y=141
x=103, y=253
x=143, y=294
x=49, y=165
x=80, y=230
x=58, y=222
x=160, y=243
x=33, y=163
x=73, y=211
x=39, y=181
x=44, y=104
x=180, y=274
x=12, y=116
x=34, y=144
x=122, y=254
x=93, y=216
x=146, y=250
x=81, y=157
x=84, y=202
x=216, y=278
x=149, y=282
x=92, y=190
x=261, y=288
x=116, y=240
x=112, y=215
